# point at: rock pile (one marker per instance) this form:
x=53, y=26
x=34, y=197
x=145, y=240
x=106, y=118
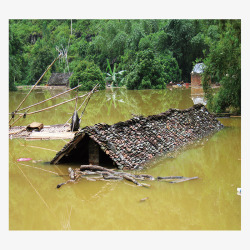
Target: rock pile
x=132, y=143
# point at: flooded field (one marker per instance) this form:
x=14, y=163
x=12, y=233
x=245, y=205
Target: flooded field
x=209, y=203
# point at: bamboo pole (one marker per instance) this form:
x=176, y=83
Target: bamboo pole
x=50, y=98
x=85, y=107
x=89, y=94
x=56, y=105
x=15, y=121
x=21, y=115
x=34, y=87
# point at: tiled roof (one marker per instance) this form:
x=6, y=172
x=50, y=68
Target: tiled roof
x=134, y=142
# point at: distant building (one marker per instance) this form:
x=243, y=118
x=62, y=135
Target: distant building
x=196, y=74
x=59, y=79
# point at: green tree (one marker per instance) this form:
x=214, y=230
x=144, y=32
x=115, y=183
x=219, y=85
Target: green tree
x=87, y=74
x=146, y=72
x=40, y=58
x=15, y=59
x=171, y=68
x=223, y=64
x=185, y=40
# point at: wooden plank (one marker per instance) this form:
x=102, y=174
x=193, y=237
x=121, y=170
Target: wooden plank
x=50, y=136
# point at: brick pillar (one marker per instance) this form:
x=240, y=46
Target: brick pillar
x=195, y=80
x=93, y=153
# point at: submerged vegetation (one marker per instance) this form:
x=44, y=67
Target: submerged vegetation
x=139, y=54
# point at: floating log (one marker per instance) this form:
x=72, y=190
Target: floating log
x=128, y=178
x=169, y=177
x=95, y=168
x=112, y=177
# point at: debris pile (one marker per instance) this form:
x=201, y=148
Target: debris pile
x=94, y=173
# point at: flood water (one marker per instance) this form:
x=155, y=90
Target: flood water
x=209, y=203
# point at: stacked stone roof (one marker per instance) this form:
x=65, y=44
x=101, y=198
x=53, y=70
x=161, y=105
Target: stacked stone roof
x=133, y=143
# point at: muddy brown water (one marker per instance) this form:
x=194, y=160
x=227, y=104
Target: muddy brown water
x=209, y=203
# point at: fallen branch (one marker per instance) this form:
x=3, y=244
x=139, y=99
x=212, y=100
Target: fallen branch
x=128, y=178
x=50, y=107
x=49, y=98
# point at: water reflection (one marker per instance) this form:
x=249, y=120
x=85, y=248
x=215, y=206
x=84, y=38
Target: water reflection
x=197, y=95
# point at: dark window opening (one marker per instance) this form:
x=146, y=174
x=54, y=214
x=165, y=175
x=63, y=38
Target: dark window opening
x=104, y=160
x=79, y=154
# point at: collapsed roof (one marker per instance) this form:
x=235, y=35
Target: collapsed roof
x=132, y=143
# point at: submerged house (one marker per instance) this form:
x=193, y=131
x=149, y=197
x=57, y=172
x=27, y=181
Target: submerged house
x=132, y=143
x=59, y=79
x=196, y=74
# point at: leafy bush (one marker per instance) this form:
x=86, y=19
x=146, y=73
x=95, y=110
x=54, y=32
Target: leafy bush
x=88, y=74
x=171, y=68
x=149, y=71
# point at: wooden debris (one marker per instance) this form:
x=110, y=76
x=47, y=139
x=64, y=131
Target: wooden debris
x=95, y=168
x=90, y=179
x=169, y=177
x=112, y=177
x=129, y=178
x=106, y=174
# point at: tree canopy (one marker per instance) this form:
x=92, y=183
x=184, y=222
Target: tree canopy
x=150, y=53
x=223, y=65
